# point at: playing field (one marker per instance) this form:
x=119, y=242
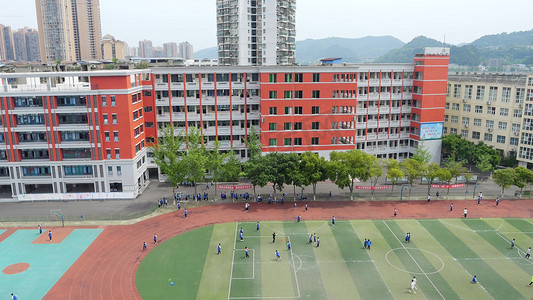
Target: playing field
x=443, y=254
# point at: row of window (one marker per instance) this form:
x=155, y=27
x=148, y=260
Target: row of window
x=68, y=170
x=488, y=137
x=506, y=92
x=488, y=123
x=504, y=112
x=292, y=142
x=207, y=93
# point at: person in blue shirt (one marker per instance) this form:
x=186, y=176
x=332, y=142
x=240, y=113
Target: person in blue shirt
x=14, y=297
x=50, y=235
x=155, y=239
x=368, y=244
x=310, y=238
x=257, y=226
x=289, y=245
x=474, y=279
x=185, y=213
x=364, y=244
x=241, y=237
x=277, y=255
x=333, y=220
x=299, y=218
x=219, y=248
x=318, y=242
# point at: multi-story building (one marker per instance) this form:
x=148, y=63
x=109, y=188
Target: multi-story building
x=170, y=49
x=494, y=109
x=84, y=131
x=26, y=43
x=113, y=48
x=186, y=51
x=69, y=30
x=146, y=49
x=73, y=132
x=7, y=45
x=256, y=32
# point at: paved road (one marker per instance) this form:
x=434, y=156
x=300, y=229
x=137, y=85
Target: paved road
x=157, y=190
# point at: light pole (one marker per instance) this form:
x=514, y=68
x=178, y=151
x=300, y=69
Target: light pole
x=401, y=191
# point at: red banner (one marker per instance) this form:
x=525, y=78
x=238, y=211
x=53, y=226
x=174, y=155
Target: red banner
x=445, y=186
x=235, y=187
x=382, y=187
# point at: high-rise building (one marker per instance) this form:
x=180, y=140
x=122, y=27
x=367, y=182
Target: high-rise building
x=186, y=51
x=69, y=30
x=158, y=52
x=495, y=109
x=26, y=43
x=256, y=32
x=113, y=48
x=133, y=51
x=7, y=46
x=146, y=49
x=170, y=49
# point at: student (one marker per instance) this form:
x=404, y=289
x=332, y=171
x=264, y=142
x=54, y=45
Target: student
x=528, y=254
x=277, y=255
x=368, y=244
x=318, y=242
x=531, y=281
x=314, y=237
x=310, y=238
x=512, y=244
x=451, y=207
x=479, y=200
x=257, y=226
x=273, y=238
x=241, y=237
x=246, y=252
x=219, y=248
x=413, y=286
x=497, y=201
x=50, y=235
x=395, y=212
x=299, y=218
x=185, y=213
x=144, y=246
x=429, y=198
x=474, y=279
x=14, y=297
x=289, y=245
x=306, y=207
x=40, y=229
x=333, y=220
x=364, y=244
x=465, y=212
x=294, y=205
x=155, y=239
x=407, y=237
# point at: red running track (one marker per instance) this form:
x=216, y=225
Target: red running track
x=107, y=268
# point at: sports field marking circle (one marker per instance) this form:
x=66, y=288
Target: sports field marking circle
x=413, y=272
x=298, y=269
x=16, y=268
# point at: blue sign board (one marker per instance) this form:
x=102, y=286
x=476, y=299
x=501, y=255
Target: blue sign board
x=431, y=131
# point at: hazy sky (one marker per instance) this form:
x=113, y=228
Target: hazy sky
x=194, y=20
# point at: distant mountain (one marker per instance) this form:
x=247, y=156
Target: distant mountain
x=351, y=50
x=209, y=53
x=505, y=39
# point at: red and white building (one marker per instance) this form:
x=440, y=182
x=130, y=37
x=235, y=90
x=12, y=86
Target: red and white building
x=87, y=132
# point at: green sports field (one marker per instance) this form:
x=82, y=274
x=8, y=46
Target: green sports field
x=443, y=255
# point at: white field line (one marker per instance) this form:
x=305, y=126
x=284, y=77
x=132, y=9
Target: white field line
x=517, y=248
x=294, y=269
x=253, y=265
x=232, y=260
x=414, y=260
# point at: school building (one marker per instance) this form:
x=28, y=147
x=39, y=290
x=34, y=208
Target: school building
x=85, y=134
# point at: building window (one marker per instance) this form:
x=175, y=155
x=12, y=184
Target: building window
x=314, y=141
x=298, y=110
x=504, y=112
x=113, y=102
x=272, y=95
x=287, y=141
x=456, y=90
x=297, y=141
x=272, y=110
x=117, y=153
x=455, y=119
x=315, y=110
x=488, y=137
x=455, y=106
x=477, y=122
x=316, y=77
x=500, y=139
x=468, y=91
x=272, y=142
x=491, y=110
x=272, y=126
x=453, y=130
x=447, y=105
x=297, y=125
x=464, y=133
x=106, y=120
x=315, y=94
x=515, y=127
x=506, y=94
x=480, y=93
x=513, y=141
x=476, y=135
x=106, y=136
x=104, y=101
x=502, y=125
x=288, y=110
x=287, y=126
x=517, y=113
x=448, y=89
x=273, y=78
x=298, y=94
x=478, y=109
x=288, y=94
x=119, y=170
x=489, y=124
x=446, y=118
x=110, y=170
x=519, y=96
x=288, y=77
x=493, y=93
x=466, y=107
x=315, y=125
x=108, y=153
x=114, y=118
x=465, y=121
x=298, y=77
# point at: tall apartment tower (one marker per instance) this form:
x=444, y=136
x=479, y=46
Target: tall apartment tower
x=69, y=30
x=254, y=32
x=170, y=49
x=146, y=49
x=186, y=50
x=26, y=43
x=113, y=48
x=7, y=46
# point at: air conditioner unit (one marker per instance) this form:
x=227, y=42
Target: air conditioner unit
x=490, y=129
x=466, y=125
x=489, y=103
x=464, y=100
x=515, y=132
x=520, y=105
x=513, y=150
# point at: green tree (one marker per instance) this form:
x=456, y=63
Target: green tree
x=345, y=167
x=374, y=170
x=422, y=154
x=504, y=178
x=445, y=175
x=483, y=164
x=468, y=178
x=411, y=168
x=494, y=156
x=278, y=168
x=295, y=176
x=196, y=159
x=523, y=176
x=253, y=143
x=432, y=173
x=394, y=173
x=223, y=166
x=314, y=169
x=168, y=155
x=254, y=171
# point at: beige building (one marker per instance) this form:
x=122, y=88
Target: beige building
x=113, y=48
x=496, y=109
x=69, y=30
